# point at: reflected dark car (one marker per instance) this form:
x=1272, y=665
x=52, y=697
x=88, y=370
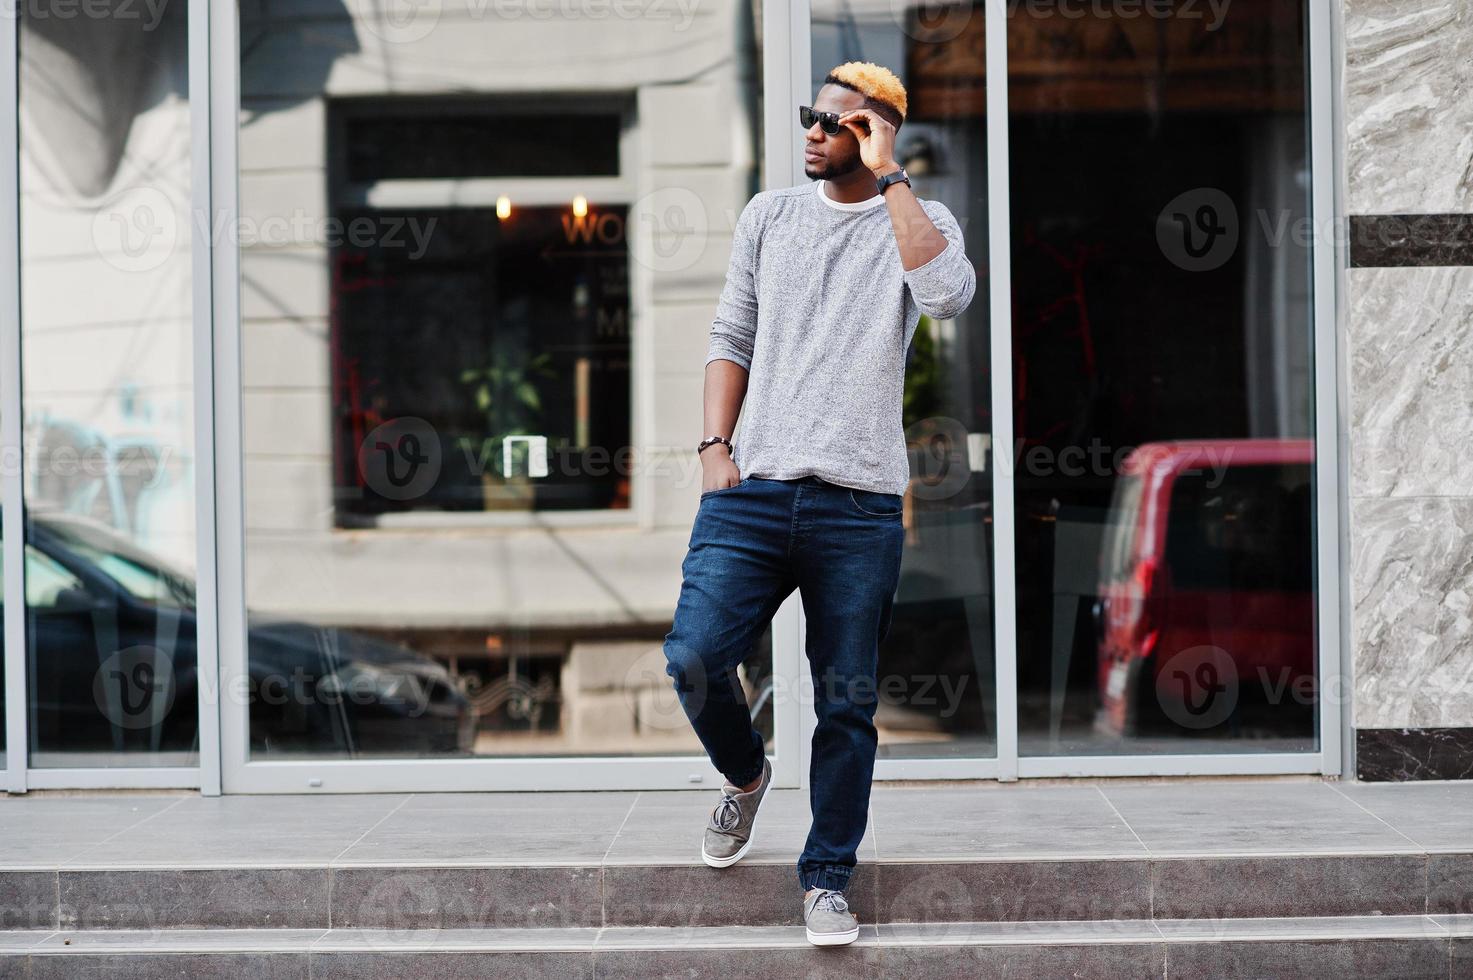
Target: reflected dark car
x=1206, y=595
x=113, y=633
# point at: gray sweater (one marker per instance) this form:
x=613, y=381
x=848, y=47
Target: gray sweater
x=819, y=310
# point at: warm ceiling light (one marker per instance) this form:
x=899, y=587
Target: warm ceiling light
x=580, y=206
x=503, y=207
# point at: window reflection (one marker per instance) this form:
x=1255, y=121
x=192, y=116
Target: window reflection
x=1162, y=381
x=113, y=641
x=107, y=383
x=1206, y=589
x=480, y=254
x=519, y=359
x=937, y=669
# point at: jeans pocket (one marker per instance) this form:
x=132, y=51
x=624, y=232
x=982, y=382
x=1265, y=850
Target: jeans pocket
x=872, y=503
x=734, y=486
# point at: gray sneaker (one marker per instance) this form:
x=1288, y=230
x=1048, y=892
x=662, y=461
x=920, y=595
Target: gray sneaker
x=827, y=918
x=729, y=833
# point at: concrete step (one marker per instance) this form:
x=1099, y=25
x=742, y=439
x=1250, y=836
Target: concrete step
x=753, y=893
x=1411, y=947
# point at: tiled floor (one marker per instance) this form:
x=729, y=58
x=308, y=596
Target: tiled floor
x=955, y=822
x=1208, y=879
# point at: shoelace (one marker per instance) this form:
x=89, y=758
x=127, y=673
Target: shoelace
x=831, y=900
x=728, y=813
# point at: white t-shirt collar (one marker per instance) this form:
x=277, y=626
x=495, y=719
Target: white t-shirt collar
x=864, y=205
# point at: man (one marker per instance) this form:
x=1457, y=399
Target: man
x=822, y=296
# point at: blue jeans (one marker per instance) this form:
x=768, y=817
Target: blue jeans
x=751, y=545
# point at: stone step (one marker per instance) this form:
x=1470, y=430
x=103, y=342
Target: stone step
x=753, y=893
x=1410, y=947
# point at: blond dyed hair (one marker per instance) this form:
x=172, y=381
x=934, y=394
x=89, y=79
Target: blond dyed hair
x=874, y=82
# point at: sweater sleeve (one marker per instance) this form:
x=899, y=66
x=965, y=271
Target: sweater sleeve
x=734, y=331
x=945, y=285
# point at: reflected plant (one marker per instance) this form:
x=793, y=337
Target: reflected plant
x=923, y=379
x=506, y=394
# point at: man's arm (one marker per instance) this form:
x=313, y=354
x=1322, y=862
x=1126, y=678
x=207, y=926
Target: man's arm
x=919, y=239
x=729, y=356
x=726, y=387
x=933, y=254
x=944, y=285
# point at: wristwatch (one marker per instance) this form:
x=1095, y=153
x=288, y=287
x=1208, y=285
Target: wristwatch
x=713, y=440
x=896, y=177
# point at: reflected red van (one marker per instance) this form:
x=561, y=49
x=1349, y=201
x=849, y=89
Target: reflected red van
x=1206, y=595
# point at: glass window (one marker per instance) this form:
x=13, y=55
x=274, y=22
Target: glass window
x=107, y=365
x=1162, y=379
x=937, y=667
x=480, y=256
x=509, y=337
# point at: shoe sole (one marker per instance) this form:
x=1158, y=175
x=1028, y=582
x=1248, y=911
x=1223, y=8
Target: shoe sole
x=726, y=862
x=833, y=938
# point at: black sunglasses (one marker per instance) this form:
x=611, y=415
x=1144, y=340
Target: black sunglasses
x=827, y=121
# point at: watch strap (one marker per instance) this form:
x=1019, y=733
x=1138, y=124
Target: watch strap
x=894, y=177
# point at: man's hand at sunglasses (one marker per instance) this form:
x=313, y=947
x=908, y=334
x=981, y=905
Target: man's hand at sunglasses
x=876, y=139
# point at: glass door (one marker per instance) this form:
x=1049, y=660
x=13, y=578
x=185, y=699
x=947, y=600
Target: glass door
x=1151, y=549
x=937, y=714
x=478, y=257
x=99, y=509
x=1165, y=396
